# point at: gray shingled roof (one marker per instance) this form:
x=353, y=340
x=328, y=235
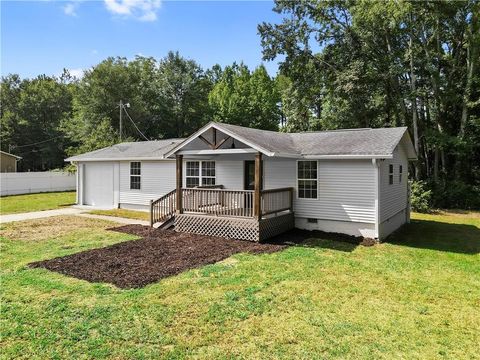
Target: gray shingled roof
x=130, y=150
x=337, y=142
x=354, y=142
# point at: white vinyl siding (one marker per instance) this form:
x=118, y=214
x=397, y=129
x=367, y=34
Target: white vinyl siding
x=158, y=178
x=393, y=198
x=228, y=173
x=346, y=189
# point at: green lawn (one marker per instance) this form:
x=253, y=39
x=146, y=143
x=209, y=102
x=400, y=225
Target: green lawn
x=415, y=297
x=35, y=202
x=129, y=214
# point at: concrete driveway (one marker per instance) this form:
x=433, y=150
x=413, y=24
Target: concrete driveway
x=38, y=214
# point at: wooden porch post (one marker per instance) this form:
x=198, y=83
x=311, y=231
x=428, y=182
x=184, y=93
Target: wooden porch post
x=258, y=186
x=179, y=160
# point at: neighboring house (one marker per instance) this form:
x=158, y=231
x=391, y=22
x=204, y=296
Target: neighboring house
x=251, y=184
x=8, y=162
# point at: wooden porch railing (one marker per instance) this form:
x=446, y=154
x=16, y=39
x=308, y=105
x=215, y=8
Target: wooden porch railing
x=276, y=200
x=163, y=208
x=214, y=200
x=220, y=202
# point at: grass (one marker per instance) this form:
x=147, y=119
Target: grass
x=129, y=214
x=35, y=202
x=416, y=297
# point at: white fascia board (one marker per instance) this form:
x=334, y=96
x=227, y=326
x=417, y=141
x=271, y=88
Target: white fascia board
x=118, y=159
x=346, y=157
x=217, y=152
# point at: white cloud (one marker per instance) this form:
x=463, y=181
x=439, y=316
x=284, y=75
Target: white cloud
x=78, y=73
x=143, y=10
x=70, y=9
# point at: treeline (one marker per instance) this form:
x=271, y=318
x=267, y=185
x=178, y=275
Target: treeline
x=343, y=64
x=48, y=118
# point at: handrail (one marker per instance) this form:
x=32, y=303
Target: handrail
x=162, y=208
x=210, y=189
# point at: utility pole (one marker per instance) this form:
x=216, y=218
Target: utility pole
x=121, y=123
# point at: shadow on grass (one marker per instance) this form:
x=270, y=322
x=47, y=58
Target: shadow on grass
x=436, y=235
x=318, y=239
x=66, y=205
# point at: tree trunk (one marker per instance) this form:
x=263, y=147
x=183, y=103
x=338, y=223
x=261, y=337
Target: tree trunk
x=472, y=56
x=413, y=97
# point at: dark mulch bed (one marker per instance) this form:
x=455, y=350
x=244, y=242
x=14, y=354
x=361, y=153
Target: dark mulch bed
x=157, y=255
x=163, y=253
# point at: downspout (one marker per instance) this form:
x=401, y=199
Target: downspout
x=376, y=166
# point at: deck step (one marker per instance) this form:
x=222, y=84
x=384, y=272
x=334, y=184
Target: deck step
x=167, y=223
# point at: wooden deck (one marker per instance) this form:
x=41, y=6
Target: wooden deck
x=229, y=213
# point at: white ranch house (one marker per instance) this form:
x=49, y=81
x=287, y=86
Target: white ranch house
x=252, y=184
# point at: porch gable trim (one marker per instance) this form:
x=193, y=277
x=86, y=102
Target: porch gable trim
x=213, y=125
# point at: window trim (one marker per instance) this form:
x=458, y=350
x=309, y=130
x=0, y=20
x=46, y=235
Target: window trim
x=139, y=176
x=200, y=176
x=297, y=188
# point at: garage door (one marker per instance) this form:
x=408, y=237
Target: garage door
x=98, y=184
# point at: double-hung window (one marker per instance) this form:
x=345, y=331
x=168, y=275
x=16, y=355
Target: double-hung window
x=192, y=175
x=400, y=173
x=200, y=173
x=307, y=179
x=390, y=174
x=135, y=175
x=208, y=173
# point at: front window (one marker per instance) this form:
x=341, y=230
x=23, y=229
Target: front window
x=193, y=174
x=200, y=173
x=390, y=174
x=307, y=180
x=400, y=173
x=208, y=173
x=135, y=175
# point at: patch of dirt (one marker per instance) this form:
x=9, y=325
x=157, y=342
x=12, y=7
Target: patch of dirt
x=159, y=254
x=47, y=228
x=297, y=236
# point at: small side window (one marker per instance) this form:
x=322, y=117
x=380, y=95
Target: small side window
x=135, y=175
x=400, y=173
x=390, y=174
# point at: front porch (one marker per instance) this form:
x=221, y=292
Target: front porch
x=202, y=204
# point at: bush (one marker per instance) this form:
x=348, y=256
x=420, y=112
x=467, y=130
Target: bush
x=420, y=197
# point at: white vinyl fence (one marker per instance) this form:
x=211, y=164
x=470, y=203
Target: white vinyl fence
x=35, y=182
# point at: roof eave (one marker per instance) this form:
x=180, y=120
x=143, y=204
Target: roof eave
x=70, y=159
x=348, y=156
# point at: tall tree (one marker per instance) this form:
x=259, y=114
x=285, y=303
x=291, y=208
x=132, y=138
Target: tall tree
x=31, y=115
x=391, y=63
x=246, y=98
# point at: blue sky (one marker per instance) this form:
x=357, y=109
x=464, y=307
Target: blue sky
x=43, y=37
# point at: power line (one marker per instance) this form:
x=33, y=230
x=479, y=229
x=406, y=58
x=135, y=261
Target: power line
x=36, y=143
x=133, y=122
